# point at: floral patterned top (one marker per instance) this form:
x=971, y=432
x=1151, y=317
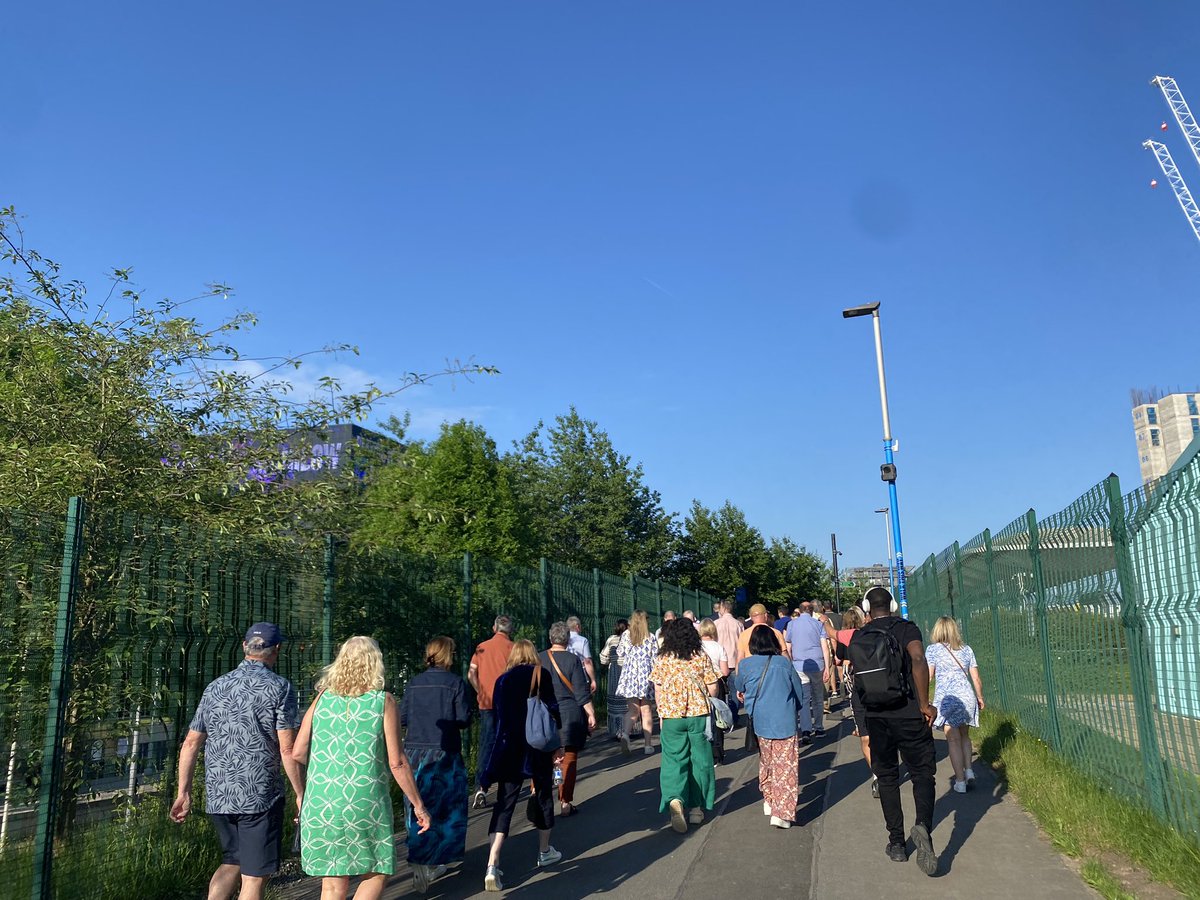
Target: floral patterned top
x=677, y=685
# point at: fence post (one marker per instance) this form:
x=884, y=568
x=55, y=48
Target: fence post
x=464, y=655
x=1139, y=662
x=958, y=587
x=598, y=621
x=544, y=582
x=50, y=791
x=658, y=595
x=327, y=609
x=995, y=604
x=632, y=594
x=1054, y=738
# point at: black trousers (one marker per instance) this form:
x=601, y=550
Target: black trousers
x=539, y=810
x=911, y=740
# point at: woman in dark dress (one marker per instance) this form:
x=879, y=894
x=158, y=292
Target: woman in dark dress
x=618, y=706
x=575, y=710
x=513, y=761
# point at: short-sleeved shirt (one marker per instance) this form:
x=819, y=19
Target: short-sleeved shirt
x=715, y=652
x=743, y=644
x=807, y=636
x=240, y=715
x=579, y=645
x=490, y=661
x=782, y=623
x=677, y=685
x=905, y=632
x=728, y=631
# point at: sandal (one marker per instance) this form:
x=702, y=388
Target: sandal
x=567, y=809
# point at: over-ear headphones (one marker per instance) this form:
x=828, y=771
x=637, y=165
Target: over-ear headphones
x=894, y=607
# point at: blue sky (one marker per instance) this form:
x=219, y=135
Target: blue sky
x=656, y=212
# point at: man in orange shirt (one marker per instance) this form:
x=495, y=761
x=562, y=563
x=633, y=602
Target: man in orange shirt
x=488, y=664
x=758, y=618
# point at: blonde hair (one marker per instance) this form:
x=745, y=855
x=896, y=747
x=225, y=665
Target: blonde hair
x=439, y=653
x=945, y=631
x=639, y=628
x=522, y=654
x=357, y=668
x=708, y=629
x=853, y=618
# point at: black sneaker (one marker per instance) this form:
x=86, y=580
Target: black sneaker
x=479, y=801
x=820, y=732
x=897, y=852
x=927, y=860
x=805, y=739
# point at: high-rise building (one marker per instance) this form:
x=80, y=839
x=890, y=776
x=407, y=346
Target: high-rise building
x=1163, y=425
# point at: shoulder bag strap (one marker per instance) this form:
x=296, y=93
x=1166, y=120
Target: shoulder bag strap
x=536, y=681
x=550, y=656
x=761, y=678
x=956, y=662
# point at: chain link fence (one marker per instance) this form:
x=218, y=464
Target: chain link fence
x=1086, y=626
x=114, y=623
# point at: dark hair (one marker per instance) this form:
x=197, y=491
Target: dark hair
x=781, y=611
x=880, y=600
x=763, y=641
x=621, y=627
x=680, y=639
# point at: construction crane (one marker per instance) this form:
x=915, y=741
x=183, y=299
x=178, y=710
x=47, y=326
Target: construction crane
x=1179, y=108
x=1178, y=185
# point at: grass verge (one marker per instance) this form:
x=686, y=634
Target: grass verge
x=1081, y=817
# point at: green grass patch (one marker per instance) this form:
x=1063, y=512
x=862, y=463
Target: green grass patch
x=1081, y=816
x=1094, y=873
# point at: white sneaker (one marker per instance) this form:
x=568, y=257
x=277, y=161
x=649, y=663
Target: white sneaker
x=421, y=878
x=766, y=808
x=678, y=819
x=548, y=857
x=696, y=816
x=960, y=787
x=491, y=881
x=625, y=748
x=479, y=801
x=970, y=773
x=648, y=750
x=780, y=823
x=438, y=872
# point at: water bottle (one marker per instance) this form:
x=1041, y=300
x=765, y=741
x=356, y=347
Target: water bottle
x=557, y=774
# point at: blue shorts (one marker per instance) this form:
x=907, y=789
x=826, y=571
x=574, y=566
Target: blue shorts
x=251, y=841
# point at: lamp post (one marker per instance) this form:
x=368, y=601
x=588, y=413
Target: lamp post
x=837, y=585
x=887, y=527
x=888, y=470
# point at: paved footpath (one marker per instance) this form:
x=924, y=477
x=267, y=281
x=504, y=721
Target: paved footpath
x=619, y=844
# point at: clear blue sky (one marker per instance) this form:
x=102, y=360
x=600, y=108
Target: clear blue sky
x=656, y=212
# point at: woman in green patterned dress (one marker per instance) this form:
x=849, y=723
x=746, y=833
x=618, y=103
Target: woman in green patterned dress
x=350, y=738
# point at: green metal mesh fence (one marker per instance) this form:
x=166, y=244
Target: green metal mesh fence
x=112, y=625
x=1086, y=626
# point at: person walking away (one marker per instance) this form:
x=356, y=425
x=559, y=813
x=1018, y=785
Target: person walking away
x=772, y=693
x=636, y=654
x=729, y=629
x=434, y=712
x=716, y=654
x=810, y=655
x=821, y=614
x=782, y=618
x=758, y=619
x=853, y=619
x=616, y=705
x=684, y=679
x=487, y=664
x=580, y=647
x=891, y=678
x=513, y=762
x=958, y=696
x=575, y=710
x=668, y=616
x=245, y=723
x=350, y=739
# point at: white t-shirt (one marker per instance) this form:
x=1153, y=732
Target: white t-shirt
x=716, y=653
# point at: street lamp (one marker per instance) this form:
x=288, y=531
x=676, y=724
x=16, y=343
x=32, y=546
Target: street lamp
x=888, y=470
x=887, y=527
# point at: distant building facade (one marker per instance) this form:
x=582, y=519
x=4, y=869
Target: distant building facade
x=1163, y=426
x=876, y=575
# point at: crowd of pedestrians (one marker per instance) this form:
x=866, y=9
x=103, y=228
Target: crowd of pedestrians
x=690, y=677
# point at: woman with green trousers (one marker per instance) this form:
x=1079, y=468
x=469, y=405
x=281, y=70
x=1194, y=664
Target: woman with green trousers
x=684, y=679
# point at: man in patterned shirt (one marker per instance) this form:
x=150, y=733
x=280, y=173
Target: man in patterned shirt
x=246, y=723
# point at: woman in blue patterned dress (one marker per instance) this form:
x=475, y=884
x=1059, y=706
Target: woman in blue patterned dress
x=434, y=711
x=636, y=654
x=958, y=695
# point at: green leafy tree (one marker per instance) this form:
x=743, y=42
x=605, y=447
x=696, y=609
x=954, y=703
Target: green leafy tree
x=719, y=552
x=590, y=504
x=793, y=573
x=452, y=495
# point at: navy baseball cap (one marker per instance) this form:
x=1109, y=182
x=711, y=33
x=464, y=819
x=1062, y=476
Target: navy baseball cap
x=264, y=634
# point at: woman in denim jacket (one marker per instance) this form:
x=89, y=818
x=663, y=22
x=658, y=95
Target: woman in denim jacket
x=770, y=692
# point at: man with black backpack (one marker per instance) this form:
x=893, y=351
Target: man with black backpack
x=891, y=679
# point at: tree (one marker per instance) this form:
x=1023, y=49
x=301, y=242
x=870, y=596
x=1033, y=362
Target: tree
x=591, y=506
x=452, y=495
x=793, y=574
x=719, y=552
